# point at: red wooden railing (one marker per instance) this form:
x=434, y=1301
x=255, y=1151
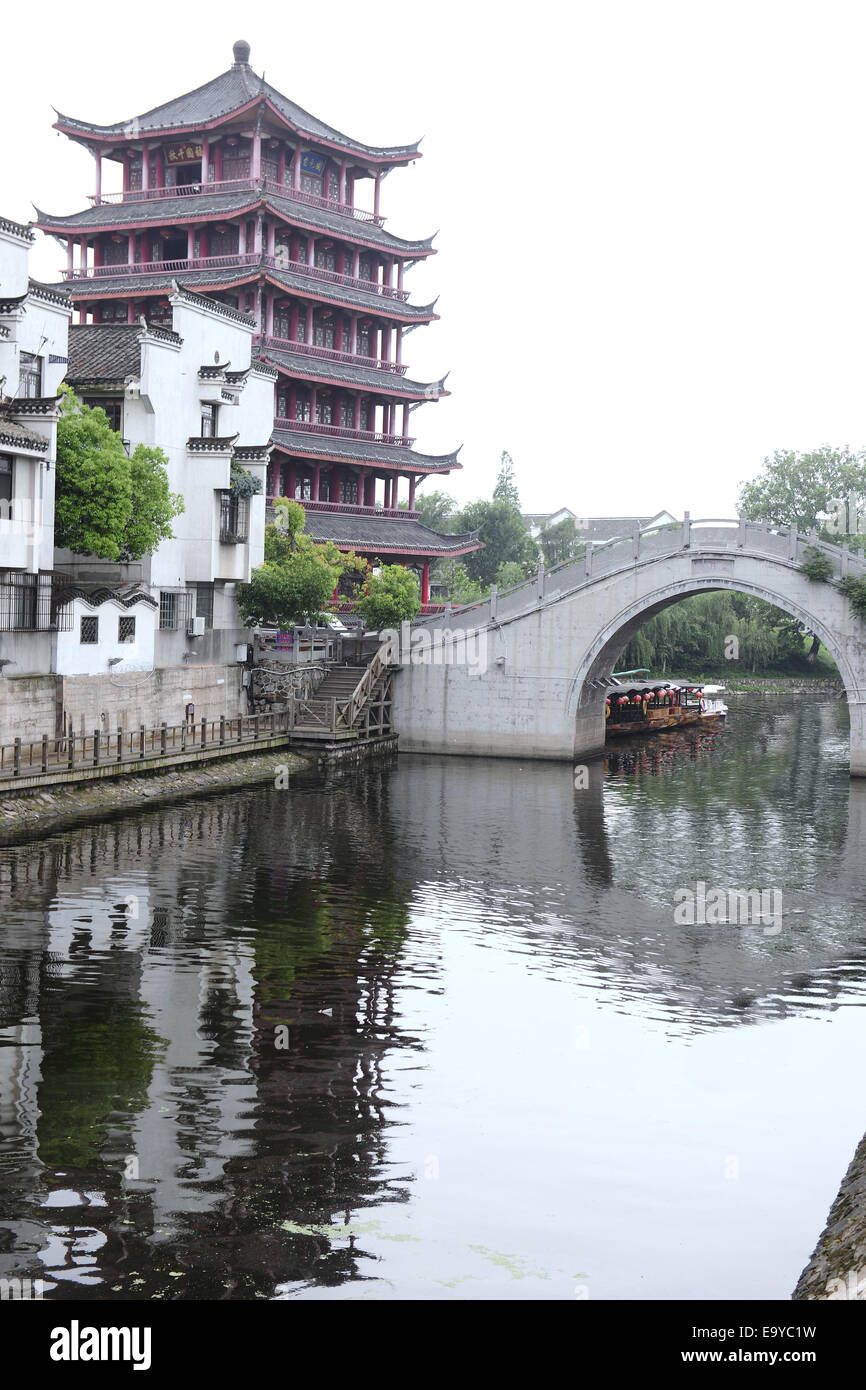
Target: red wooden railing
x=309, y=505
x=340, y=431
x=159, y=267
x=282, y=190
x=335, y=277
x=263, y=340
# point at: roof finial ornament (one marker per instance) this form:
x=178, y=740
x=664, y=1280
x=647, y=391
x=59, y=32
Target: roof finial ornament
x=241, y=51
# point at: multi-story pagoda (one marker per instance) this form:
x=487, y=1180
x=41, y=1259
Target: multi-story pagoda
x=234, y=190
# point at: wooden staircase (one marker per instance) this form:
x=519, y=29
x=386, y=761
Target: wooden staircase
x=353, y=702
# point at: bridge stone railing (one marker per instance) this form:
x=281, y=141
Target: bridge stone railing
x=711, y=535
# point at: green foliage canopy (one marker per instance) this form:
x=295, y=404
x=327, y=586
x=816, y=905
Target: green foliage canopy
x=106, y=504
x=390, y=598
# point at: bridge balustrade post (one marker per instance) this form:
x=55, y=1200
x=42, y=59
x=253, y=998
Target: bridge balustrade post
x=687, y=530
x=741, y=533
x=493, y=592
x=587, y=560
x=793, y=542
x=844, y=558
x=539, y=592
x=635, y=543
x=813, y=536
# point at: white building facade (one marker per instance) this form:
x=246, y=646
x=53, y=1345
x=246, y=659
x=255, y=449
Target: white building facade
x=195, y=393
x=34, y=321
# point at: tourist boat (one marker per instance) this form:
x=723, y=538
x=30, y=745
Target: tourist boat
x=635, y=705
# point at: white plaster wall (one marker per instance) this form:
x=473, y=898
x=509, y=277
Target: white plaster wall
x=77, y=658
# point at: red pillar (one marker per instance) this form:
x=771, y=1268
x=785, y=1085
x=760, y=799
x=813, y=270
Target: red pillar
x=376, y=193
x=395, y=489
x=98, y=162
x=205, y=157
x=405, y=420
x=425, y=583
x=256, y=167
x=317, y=476
x=291, y=481
x=412, y=482
x=145, y=169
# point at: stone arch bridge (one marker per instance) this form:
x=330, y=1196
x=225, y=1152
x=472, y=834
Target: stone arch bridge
x=522, y=674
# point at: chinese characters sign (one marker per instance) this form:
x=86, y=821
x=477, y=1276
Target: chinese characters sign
x=182, y=154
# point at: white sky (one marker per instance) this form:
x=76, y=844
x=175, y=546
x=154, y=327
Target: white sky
x=651, y=257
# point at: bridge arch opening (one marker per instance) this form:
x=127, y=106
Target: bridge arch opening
x=593, y=675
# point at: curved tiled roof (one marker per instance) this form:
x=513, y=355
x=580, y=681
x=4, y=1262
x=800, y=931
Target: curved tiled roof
x=228, y=277
x=236, y=89
x=362, y=451
x=202, y=207
x=107, y=352
x=299, y=364
x=389, y=535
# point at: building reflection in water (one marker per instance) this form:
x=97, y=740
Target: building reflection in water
x=157, y=1140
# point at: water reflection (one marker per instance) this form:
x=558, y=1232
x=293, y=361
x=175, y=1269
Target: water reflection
x=248, y=1045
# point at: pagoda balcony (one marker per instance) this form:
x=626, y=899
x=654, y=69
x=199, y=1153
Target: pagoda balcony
x=334, y=277
x=396, y=513
x=353, y=359
x=282, y=190
x=282, y=422
x=233, y=259
x=98, y=272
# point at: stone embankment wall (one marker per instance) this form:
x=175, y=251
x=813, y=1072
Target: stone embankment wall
x=33, y=705
x=837, y=1269
x=32, y=815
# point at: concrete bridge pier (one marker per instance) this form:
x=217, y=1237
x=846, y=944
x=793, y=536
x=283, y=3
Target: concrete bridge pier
x=857, y=752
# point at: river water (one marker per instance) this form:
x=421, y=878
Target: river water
x=433, y=1031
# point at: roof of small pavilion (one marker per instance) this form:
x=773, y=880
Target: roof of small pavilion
x=386, y=535
x=234, y=91
x=337, y=448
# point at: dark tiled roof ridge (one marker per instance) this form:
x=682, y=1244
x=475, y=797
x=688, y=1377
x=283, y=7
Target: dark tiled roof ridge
x=232, y=90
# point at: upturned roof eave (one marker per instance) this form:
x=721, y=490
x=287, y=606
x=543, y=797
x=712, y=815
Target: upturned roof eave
x=313, y=369
x=126, y=132
x=73, y=223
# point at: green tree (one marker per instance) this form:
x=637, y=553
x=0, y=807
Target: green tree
x=803, y=489
x=154, y=506
x=560, y=542
x=504, y=536
x=506, y=486
x=390, y=598
x=437, y=510
x=296, y=583
x=509, y=575
x=106, y=504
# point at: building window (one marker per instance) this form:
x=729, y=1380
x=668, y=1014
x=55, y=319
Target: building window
x=30, y=375
x=323, y=333
x=333, y=185
x=311, y=183
x=326, y=260
x=208, y=420
x=168, y=606
x=349, y=489
x=324, y=413
x=89, y=630
x=234, y=518
x=113, y=312
x=365, y=268
x=363, y=341
x=5, y=487
x=112, y=407
x=347, y=415
x=126, y=629
x=204, y=603
x=302, y=407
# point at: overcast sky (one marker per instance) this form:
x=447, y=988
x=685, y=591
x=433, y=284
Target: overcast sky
x=651, y=215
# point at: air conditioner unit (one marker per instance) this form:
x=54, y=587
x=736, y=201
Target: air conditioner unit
x=196, y=627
